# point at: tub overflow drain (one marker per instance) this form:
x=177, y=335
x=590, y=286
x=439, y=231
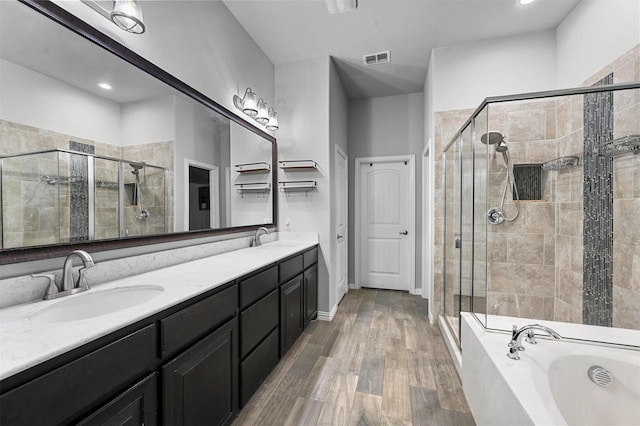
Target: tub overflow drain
x=600, y=376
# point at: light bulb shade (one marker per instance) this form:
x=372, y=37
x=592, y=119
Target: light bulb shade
x=127, y=15
x=273, y=120
x=263, y=113
x=250, y=103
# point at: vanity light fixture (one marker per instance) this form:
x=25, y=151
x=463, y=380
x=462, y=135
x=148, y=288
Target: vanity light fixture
x=263, y=112
x=105, y=86
x=525, y=2
x=257, y=109
x=126, y=14
x=273, y=120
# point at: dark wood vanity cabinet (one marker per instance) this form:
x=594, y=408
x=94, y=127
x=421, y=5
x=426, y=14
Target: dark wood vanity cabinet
x=137, y=405
x=199, y=386
x=258, y=330
x=196, y=363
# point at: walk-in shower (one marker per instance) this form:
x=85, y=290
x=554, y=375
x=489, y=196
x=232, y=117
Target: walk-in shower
x=61, y=196
x=496, y=215
x=567, y=232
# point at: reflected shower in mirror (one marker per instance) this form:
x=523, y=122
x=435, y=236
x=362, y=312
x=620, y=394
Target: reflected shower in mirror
x=94, y=148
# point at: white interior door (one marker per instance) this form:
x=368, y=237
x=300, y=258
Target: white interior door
x=341, y=191
x=386, y=250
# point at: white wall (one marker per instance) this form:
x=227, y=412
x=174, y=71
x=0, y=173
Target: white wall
x=249, y=208
x=338, y=136
x=199, y=42
x=148, y=121
x=464, y=75
x=594, y=34
x=390, y=125
x=37, y=100
x=302, y=93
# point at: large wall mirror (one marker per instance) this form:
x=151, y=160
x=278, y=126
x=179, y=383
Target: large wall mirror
x=105, y=149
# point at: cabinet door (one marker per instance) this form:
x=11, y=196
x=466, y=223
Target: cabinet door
x=200, y=386
x=135, y=406
x=310, y=294
x=291, y=313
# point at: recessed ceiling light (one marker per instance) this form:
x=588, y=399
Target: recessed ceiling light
x=523, y=2
x=341, y=6
x=105, y=86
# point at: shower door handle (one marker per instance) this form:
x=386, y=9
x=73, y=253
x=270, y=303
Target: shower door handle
x=458, y=243
x=405, y=232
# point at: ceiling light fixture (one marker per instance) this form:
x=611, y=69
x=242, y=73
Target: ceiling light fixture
x=256, y=109
x=341, y=6
x=126, y=14
x=105, y=86
x=525, y=2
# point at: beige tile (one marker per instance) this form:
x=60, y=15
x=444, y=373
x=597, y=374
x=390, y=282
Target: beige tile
x=569, y=288
x=577, y=254
x=525, y=249
x=626, y=221
x=623, y=265
x=561, y=310
x=540, y=217
x=506, y=278
x=527, y=125
x=625, y=308
x=540, y=280
x=497, y=247
x=563, y=117
x=570, y=215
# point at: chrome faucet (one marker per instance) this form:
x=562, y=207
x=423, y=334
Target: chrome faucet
x=515, y=345
x=67, y=286
x=256, y=238
x=67, y=271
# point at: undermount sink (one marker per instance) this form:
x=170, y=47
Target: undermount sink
x=93, y=304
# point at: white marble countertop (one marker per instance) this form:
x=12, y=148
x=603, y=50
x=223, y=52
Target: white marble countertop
x=26, y=342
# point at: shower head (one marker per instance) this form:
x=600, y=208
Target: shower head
x=136, y=166
x=502, y=146
x=492, y=138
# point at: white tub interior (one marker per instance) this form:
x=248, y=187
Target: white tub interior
x=549, y=385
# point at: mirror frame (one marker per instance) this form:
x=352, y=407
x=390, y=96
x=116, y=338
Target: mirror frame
x=83, y=29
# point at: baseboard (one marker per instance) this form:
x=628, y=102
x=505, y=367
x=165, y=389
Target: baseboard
x=328, y=316
x=416, y=292
x=353, y=286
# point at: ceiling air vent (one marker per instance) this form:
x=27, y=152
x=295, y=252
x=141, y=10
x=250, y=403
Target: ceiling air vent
x=377, y=58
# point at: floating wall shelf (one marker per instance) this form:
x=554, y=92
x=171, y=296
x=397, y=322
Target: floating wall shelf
x=253, y=187
x=300, y=185
x=253, y=168
x=298, y=165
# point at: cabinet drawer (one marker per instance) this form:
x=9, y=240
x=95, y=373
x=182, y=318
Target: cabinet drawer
x=67, y=392
x=310, y=257
x=257, y=321
x=290, y=268
x=137, y=405
x=257, y=286
x=257, y=366
x=193, y=322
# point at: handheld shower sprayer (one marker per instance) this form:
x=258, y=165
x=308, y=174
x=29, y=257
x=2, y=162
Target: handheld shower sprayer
x=496, y=215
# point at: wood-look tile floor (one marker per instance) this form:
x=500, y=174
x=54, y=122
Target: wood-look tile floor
x=378, y=362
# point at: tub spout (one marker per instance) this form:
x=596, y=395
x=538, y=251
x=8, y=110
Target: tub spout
x=515, y=345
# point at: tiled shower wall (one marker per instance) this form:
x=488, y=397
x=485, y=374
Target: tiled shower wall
x=535, y=264
x=38, y=213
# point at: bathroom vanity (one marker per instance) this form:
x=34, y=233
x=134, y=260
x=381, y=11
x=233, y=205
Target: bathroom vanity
x=195, y=353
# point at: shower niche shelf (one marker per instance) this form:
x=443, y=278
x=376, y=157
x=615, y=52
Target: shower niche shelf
x=261, y=167
x=561, y=163
x=298, y=165
x=623, y=145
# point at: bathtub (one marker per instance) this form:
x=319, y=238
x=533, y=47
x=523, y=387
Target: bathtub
x=549, y=385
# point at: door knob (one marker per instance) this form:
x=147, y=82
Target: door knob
x=405, y=232
x=340, y=237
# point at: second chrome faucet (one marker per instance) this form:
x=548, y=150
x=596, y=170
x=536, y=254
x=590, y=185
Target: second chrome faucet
x=515, y=345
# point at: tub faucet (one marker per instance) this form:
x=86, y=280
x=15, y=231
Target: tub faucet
x=256, y=238
x=515, y=345
x=67, y=271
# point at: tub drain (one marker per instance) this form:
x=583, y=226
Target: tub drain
x=600, y=376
